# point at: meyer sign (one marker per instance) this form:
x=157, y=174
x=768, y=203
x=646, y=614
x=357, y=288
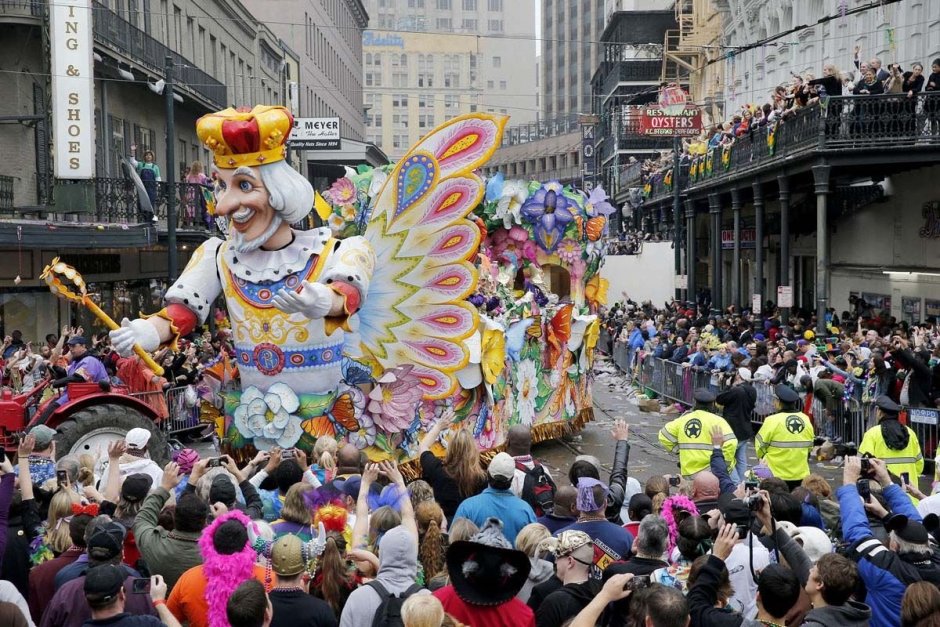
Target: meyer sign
x=671, y=121
x=73, y=106
x=315, y=134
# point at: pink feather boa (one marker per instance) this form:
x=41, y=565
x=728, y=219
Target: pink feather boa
x=670, y=505
x=224, y=573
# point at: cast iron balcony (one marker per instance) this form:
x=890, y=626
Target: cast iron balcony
x=115, y=32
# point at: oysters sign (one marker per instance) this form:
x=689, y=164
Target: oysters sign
x=673, y=121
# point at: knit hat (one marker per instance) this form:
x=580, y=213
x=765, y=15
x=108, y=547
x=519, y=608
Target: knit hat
x=486, y=570
x=186, y=459
x=136, y=487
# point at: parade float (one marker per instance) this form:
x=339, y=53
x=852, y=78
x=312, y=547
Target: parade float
x=428, y=288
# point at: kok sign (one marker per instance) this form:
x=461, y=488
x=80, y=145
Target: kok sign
x=684, y=121
x=315, y=134
x=73, y=107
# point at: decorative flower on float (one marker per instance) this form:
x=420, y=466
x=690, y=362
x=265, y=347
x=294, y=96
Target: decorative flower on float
x=549, y=212
x=512, y=245
x=393, y=400
x=365, y=436
x=342, y=192
x=269, y=418
x=508, y=197
x=527, y=391
x=569, y=251
x=492, y=349
x=595, y=292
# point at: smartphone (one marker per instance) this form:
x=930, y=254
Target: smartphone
x=866, y=466
x=62, y=477
x=751, y=485
x=906, y=478
x=639, y=582
x=675, y=481
x=140, y=585
x=216, y=462
x=287, y=453
x=864, y=489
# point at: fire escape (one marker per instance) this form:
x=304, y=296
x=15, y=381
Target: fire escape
x=689, y=47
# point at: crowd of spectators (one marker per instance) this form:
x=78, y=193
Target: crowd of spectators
x=804, y=90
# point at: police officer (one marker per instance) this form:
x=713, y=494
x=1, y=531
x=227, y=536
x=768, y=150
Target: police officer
x=893, y=443
x=785, y=439
x=691, y=434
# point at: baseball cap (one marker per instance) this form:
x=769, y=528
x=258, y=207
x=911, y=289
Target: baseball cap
x=907, y=530
x=136, y=487
x=734, y=510
x=77, y=339
x=102, y=583
x=502, y=466
x=349, y=486
x=43, y=435
x=287, y=556
x=744, y=373
x=107, y=541
x=137, y=438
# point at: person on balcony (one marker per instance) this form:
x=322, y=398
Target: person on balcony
x=932, y=101
x=194, y=206
x=149, y=173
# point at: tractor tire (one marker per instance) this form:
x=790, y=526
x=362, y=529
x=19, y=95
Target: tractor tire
x=74, y=435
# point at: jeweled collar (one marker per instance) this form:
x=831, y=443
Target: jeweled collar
x=273, y=265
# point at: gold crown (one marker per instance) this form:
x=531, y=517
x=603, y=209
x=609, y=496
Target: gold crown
x=239, y=137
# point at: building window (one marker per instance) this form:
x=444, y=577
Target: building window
x=444, y=5
x=400, y=79
x=445, y=23
x=494, y=5
x=399, y=100
x=426, y=120
x=495, y=26
x=400, y=140
x=469, y=5
x=502, y=84
x=450, y=102
x=400, y=121
x=469, y=24
x=490, y=85
x=497, y=62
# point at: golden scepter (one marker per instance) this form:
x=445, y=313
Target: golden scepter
x=51, y=275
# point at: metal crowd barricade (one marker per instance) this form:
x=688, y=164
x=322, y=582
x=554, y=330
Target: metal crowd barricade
x=176, y=413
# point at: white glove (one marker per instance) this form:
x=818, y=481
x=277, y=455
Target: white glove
x=132, y=332
x=313, y=301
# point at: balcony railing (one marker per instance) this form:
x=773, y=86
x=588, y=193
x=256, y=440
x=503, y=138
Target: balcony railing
x=632, y=71
x=114, y=31
x=21, y=8
x=543, y=129
x=843, y=124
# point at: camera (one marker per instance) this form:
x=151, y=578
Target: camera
x=675, y=481
x=62, y=477
x=639, y=582
x=287, y=453
x=140, y=585
x=217, y=462
x=750, y=485
x=754, y=502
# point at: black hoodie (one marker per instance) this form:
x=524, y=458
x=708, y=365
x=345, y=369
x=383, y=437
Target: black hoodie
x=566, y=602
x=895, y=434
x=852, y=614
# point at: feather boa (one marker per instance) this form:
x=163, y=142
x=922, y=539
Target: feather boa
x=224, y=573
x=671, y=507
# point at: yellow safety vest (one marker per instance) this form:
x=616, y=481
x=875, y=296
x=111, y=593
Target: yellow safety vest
x=691, y=434
x=784, y=442
x=909, y=460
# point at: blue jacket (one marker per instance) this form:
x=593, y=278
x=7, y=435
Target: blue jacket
x=717, y=362
x=885, y=573
x=636, y=339
x=503, y=504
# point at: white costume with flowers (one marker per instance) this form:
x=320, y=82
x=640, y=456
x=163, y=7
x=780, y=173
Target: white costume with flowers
x=277, y=352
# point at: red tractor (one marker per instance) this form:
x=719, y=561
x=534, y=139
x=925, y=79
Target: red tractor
x=90, y=419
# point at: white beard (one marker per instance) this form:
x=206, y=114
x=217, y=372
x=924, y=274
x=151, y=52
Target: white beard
x=240, y=244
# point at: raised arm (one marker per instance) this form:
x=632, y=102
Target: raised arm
x=390, y=469
x=718, y=464
x=360, y=531
x=618, y=473
x=112, y=490
x=435, y=432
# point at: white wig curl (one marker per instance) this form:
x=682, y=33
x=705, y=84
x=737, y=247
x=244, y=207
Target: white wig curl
x=290, y=193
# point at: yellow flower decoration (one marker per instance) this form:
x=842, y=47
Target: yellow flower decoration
x=596, y=290
x=592, y=334
x=493, y=359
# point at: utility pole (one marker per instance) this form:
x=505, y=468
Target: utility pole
x=172, y=262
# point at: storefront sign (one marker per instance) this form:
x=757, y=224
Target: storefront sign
x=372, y=38
x=784, y=296
x=588, y=158
x=748, y=238
x=315, y=134
x=682, y=281
x=756, y=302
x=686, y=122
x=73, y=106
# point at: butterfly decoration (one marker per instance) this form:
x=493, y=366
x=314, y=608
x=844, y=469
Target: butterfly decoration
x=339, y=420
x=535, y=331
x=355, y=373
x=516, y=336
x=559, y=331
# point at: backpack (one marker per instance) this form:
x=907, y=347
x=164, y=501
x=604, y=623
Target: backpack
x=538, y=489
x=388, y=614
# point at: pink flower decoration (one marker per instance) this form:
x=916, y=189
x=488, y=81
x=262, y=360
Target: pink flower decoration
x=394, y=400
x=569, y=251
x=513, y=245
x=342, y=192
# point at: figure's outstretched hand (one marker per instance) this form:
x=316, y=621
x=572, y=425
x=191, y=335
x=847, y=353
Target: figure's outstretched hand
x=132, y=332
x=313, y=301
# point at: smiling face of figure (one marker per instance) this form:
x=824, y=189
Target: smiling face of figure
x=242, y=198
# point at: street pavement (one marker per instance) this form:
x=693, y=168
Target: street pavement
x=615, y=399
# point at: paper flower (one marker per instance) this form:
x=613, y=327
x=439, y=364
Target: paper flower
x=512, y=196
x=597, y=204
x=342, y=192
x=269, y=418
x=527, y=391
x=549, y=211
x=569, y=250
x=336, y=223
x=494, y=187
x=393, y=400
x=493, y=350
x=512, y=245
x=348, y=213
x=596, y=291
